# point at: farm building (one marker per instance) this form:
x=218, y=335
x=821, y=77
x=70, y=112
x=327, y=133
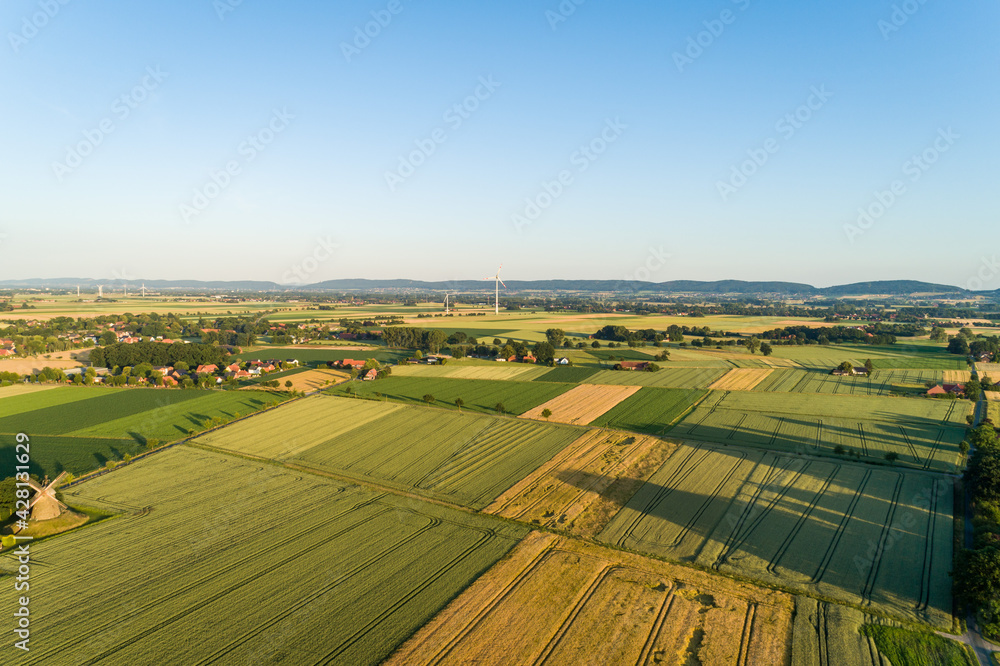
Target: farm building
x=953, y=389
x=853, y=372
x=370, y=375
x=351, y=363
x=632, y=365
x=206, y=368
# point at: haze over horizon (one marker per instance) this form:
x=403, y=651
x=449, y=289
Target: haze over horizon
x=656, y=142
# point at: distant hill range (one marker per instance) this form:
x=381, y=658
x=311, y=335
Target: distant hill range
x=718, y=287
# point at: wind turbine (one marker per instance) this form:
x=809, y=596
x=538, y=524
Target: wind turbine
x=446, y=310
x=498, y=283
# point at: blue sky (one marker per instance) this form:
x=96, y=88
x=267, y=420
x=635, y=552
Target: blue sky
x=252, y=140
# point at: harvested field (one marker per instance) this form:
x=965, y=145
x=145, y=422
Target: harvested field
x=564, y=602
x=741, y=379
x=296, y=427
x=63, y=360
x=586, y=483
x=652, y=410
x=923, y=433
x=21, y=389
x=875, y=537
x=992, y=395
x=204, y=536
x=313, y=380
x=582, y=404
x=957, y=376
x=668, y=377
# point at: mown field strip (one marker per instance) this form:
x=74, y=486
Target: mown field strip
x=349, y=583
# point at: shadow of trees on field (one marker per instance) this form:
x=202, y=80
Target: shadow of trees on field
x=856, y=530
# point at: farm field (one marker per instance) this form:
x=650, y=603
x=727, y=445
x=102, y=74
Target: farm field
x=582, y=403
x=585, y=484
x=465, y=458
x=826, y=634
x=652, y=410
x=315, y=356
x=875, y=537
x=345, y=584
x=991, y=370
x=881, y=383
x=313, y=380
x=22, y=389
x=496, y=371
x=563, y=602
x=902, y=355
x=957, y=376
x=571, y=375
x=993, y=411
x=51, y=455
x=741, y=379
x=296, y=427
x=923, y=433
x=139, y=414
x=478, y=395
x=667, y=377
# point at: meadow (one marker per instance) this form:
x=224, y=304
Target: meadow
x=305, y=569
x=922, y=432
x=478, y=395
x=474, y=370
x=559, y=601
x=652, y=410
x=461, y=458
x=874, y=537
x=51, y=455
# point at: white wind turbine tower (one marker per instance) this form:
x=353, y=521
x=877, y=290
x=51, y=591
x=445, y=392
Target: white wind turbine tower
x=446, y=310
x=498, y=283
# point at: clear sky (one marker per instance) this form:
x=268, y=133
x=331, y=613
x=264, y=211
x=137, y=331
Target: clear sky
x=277, y=141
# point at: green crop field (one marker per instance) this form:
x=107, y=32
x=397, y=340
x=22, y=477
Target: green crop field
x=51, y=455
x=922, y=432
x=302, y=568
x=872, y=536
x=319, y=355
x=462, y=458
x=567, y=374
x=667, y=377
x=823, y=630
x=651, y=410
x=479, y=395
x=881, y=383
x=140, y=414
x=901, y=355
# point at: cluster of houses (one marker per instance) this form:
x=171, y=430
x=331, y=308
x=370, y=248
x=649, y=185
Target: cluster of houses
x=856, y=371
x=7, y=347
x=353, y=364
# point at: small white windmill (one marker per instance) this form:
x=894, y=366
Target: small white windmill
x=498, y=283
x=44, y=505
x=446, y=310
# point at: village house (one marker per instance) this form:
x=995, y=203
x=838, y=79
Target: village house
x=632, y=365
x=370, y=375
x=953, y=389
x=206, y=368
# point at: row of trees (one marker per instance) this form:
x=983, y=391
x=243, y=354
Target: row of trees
x=977, y=570
x=158, y=353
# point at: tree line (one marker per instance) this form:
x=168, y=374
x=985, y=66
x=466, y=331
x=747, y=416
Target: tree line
x=158, y=353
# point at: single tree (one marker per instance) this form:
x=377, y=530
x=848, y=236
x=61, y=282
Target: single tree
x=288, y=383
x=891, y=457
x=459, y=403
x=500, y=408
x=429, y=399
x=869, y=366
x=546, y=413
x=765, y=349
